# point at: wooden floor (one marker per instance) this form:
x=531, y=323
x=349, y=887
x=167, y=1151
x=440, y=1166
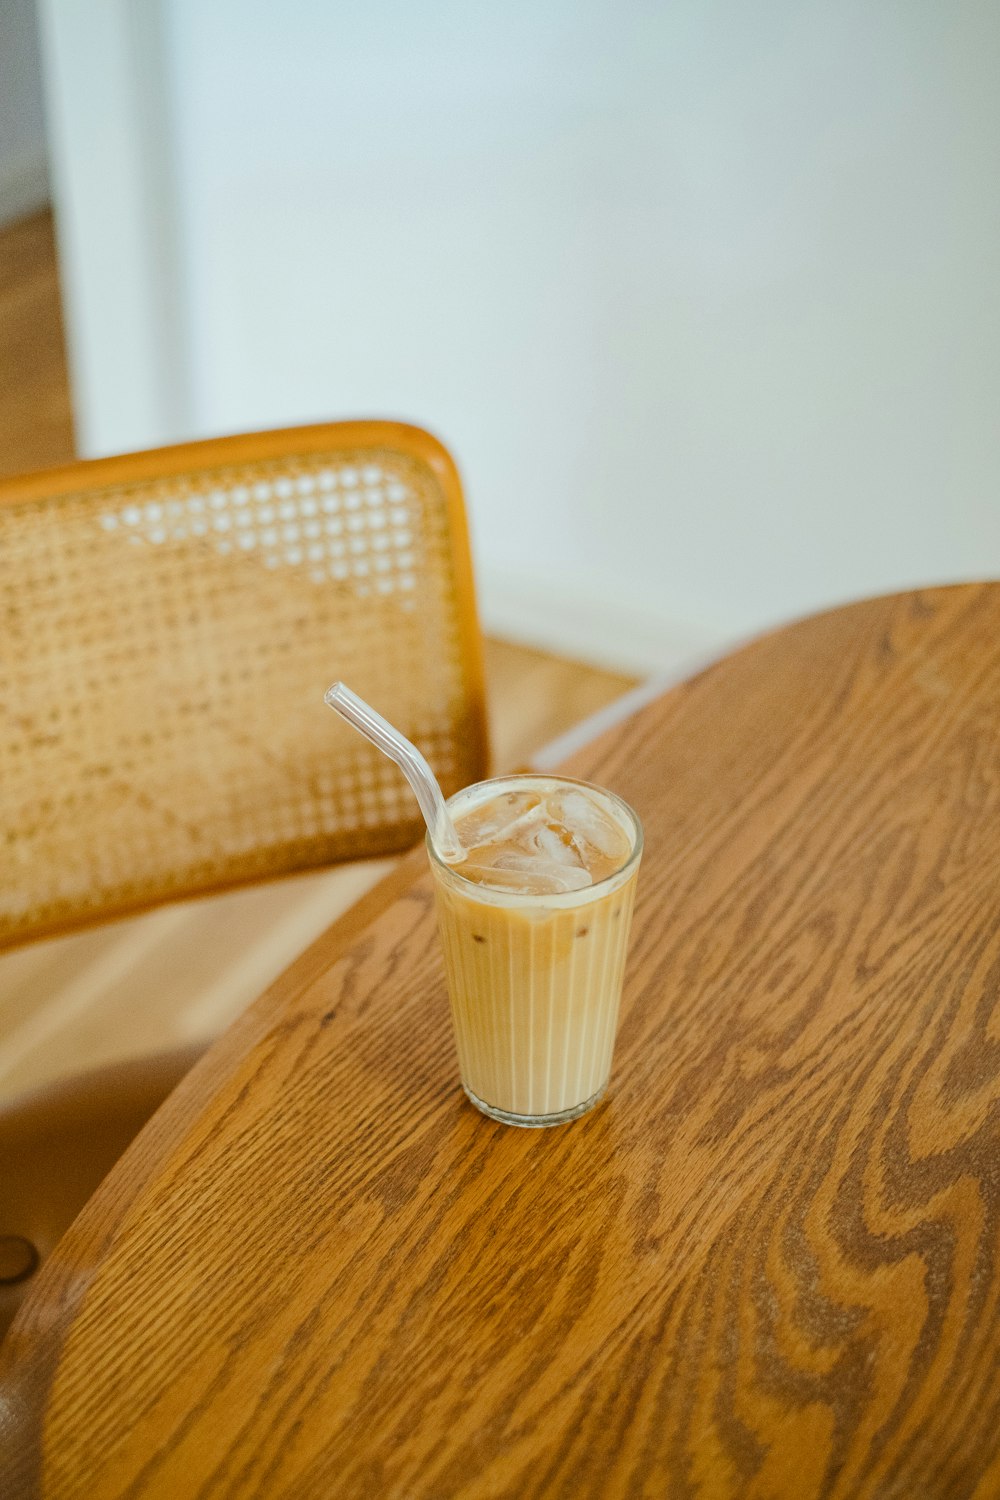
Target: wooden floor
x=180, y=974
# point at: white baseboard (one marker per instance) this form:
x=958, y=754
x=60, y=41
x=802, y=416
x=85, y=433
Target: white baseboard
x=592, y=625
x=24, y=186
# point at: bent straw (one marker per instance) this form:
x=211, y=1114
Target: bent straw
x=444, y=834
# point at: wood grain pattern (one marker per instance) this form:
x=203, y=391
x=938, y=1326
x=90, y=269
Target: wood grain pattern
x=766, y=1266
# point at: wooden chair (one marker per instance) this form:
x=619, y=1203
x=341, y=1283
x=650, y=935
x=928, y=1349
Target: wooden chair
x=170, y=621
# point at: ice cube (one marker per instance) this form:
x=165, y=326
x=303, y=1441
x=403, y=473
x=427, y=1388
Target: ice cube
x=558, y=879
x=589, y=823
x=490, y=875
x=556, y=846
x=540, y=875
x=495, y=819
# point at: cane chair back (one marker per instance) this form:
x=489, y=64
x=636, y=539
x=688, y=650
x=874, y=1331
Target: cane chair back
x=169, y=622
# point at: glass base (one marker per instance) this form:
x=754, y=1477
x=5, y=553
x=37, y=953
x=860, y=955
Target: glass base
x=535, y=1122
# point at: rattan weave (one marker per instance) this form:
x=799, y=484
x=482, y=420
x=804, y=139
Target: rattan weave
x=169, y=624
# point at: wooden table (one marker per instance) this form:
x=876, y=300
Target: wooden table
x=768, y=1265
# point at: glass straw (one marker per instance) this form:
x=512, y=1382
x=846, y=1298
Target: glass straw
x=444, y=834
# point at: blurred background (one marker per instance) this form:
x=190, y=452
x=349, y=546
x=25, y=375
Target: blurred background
x=703, y=296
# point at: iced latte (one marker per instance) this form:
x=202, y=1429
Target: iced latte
x=534, y=925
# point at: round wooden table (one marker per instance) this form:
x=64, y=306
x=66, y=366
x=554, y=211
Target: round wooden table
x=768, y=1264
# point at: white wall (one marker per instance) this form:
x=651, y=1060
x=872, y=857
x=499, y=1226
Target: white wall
x=23, y=174
x=703, y=296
